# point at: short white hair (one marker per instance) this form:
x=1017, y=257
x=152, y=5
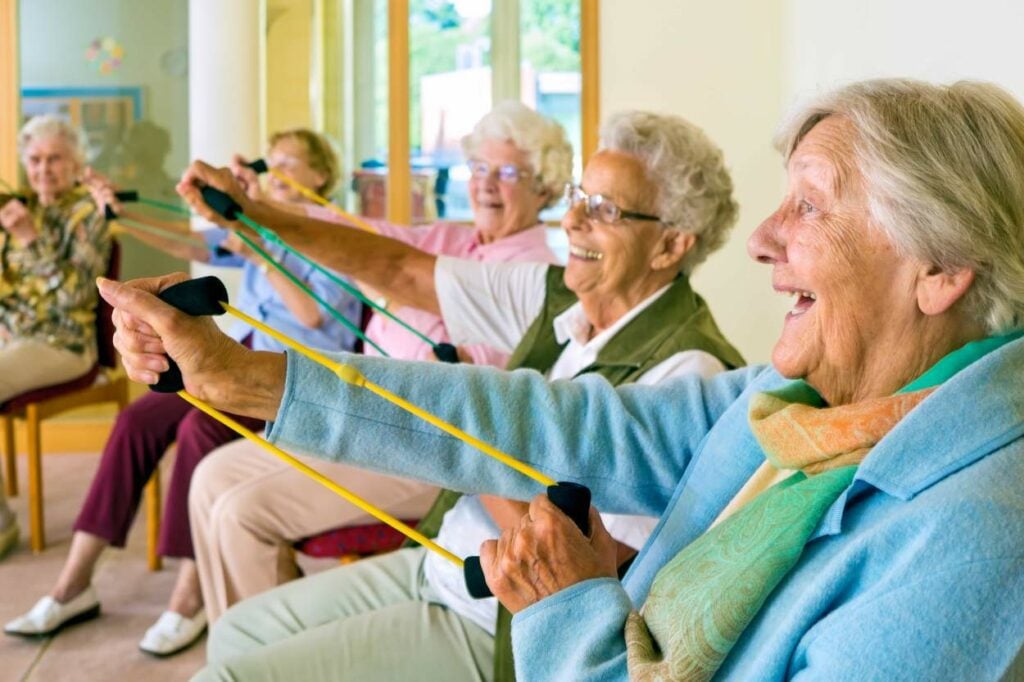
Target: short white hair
x=51, y=125
x=693, y=187
x=542, y=139
x=943, y=167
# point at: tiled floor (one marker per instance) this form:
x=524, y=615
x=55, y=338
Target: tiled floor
x=131, y=596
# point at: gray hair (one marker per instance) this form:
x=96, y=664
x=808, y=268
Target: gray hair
x=943, y=166
x=51, y=125
x=694, y=189
x=541, y=138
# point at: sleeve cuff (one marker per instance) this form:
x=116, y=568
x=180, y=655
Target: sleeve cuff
x=576, y=631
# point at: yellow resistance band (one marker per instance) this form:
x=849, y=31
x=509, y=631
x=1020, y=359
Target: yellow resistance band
x=351, y=375
x=379, y=514
x=313, y=196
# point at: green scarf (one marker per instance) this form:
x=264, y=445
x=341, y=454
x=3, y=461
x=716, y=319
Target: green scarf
x=702, y=600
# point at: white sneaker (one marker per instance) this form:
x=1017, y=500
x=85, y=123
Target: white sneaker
x=172, y=633
x=48, y=616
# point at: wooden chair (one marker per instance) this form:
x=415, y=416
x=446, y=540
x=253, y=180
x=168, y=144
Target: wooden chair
x=104, y=383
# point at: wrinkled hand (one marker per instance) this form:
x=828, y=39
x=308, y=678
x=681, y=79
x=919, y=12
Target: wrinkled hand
x=102, y=190
x=246, y=177
x=17, y=221
x=544, y=554
x=148, y=328
x=199, y=175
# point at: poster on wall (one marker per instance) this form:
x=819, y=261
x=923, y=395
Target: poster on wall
x=106, y=114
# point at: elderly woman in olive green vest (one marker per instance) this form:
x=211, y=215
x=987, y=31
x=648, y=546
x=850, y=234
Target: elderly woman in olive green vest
x=653, y=203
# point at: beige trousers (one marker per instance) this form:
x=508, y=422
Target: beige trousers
x=247, y=507
x=26, y=364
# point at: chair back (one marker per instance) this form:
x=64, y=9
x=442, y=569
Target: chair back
x=106, y=353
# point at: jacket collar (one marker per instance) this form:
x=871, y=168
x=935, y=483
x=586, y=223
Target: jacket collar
x=977, y=411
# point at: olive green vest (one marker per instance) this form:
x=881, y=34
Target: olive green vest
x=677, y=321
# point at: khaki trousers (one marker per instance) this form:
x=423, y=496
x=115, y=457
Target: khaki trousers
x=27, y=364
x=247, y=507
x=372, y=620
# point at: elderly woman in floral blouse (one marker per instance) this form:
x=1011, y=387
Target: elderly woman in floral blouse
x=53, y=245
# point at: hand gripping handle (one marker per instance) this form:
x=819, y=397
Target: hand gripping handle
x=574, y=501
x=259, y=166
x=201, y=296
x=124, y=196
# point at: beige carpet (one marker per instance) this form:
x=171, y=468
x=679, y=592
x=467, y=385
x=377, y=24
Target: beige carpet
x=132, y=597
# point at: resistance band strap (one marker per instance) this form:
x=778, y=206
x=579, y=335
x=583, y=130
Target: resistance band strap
x=208, y=296
x=351, y=497
x=312, y=294
x=260, y=166
x=223, y=204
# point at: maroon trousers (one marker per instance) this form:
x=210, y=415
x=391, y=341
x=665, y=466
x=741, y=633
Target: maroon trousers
x=143, y=432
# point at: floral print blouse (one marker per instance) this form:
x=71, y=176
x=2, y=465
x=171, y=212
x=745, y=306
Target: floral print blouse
x=47, y=288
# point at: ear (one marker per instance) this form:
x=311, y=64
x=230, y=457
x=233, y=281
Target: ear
x=321, y=179
x=938, y=290
x=672, y=247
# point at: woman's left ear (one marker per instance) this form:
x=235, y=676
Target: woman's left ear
x=675, y=244
x=938, y=290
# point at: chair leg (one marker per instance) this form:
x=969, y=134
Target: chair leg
x=153, y=521
x=37, y=531
x=10, y=458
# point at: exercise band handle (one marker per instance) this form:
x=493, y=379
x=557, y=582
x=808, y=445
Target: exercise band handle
x=221, y=202
x=124, y=196
x=259, y=166
x=574, y=501
x=194, y=297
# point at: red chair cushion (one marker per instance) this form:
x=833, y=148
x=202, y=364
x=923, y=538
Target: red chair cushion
x=362, y=540
x=40, y=395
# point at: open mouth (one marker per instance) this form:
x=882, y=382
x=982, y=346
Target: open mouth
x=804, y=300
x=584, y=254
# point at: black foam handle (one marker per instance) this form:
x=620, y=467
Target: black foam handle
x=572, y=499
x=259, y=166
x=445, y=352
x=221, y=202
x=221, y=252
x=201, y=296
x=126, y=195
x=15, y=197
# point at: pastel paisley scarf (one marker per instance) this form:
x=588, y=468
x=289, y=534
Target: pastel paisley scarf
x=702, y=600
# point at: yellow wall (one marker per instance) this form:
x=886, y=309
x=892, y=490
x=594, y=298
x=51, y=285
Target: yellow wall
x=289, y=46
x=720, y=66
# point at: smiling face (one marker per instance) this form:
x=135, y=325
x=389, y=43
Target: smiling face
x=621, y=264
x=50, y=166
x=855, y=324
x=290, y=157
x=501, y=209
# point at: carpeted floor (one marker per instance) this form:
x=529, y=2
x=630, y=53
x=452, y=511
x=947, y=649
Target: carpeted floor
x=131, y=596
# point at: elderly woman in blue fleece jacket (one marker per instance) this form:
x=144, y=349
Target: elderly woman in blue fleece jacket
x=851, y=512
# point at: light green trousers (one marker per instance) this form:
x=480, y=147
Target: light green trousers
x=372, y=620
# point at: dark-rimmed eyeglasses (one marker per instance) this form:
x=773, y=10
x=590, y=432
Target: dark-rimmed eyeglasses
x=601, y=208
x=507, y=173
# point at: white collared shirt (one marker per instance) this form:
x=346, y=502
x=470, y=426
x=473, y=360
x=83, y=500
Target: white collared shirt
x=495, y=303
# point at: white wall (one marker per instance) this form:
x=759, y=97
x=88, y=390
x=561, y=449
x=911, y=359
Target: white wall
x=718, y=64
x=830, y=43
x=735, y=67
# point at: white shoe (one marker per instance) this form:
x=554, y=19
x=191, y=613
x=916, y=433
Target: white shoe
x=48, y=616
x=172, y=633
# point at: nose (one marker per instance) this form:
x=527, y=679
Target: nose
x=575, y=219
x=767, y=243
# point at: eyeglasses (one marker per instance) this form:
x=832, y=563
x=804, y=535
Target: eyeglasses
x=507, y=173
x=598, y=207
